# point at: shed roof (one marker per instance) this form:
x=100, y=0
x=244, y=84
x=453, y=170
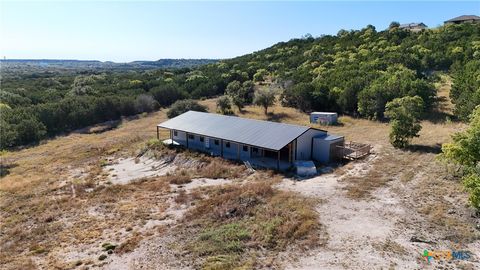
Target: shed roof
x=264, y=134
x=323, y=113
x=464, y=18
x=329, y=137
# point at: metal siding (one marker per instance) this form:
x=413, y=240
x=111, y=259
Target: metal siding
x=259, y=133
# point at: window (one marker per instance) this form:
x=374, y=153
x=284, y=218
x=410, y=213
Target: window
x=202, y=139
x=175, y=133
x=245, y=148
x=227, y=144
x=217, y=142
x=254, y=150
x=191, y=137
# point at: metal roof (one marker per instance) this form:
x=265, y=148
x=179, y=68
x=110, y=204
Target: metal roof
x=407, y=25
x=329, y=137
x=264, y=134
x=464, y=18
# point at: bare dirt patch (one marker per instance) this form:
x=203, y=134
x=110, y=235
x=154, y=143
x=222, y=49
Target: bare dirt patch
x=125, y=170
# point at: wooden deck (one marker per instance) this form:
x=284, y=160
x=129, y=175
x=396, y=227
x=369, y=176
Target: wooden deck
x=352, y=150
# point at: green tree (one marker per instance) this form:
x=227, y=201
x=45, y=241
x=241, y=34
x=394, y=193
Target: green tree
x=465, y=91
x=404, y=114
x=240, y=93
x=464, y=151
x=146, y=103
x=182, y=106
x=397, y=81
x=260, y=75
x=265, y=97
x=224, y=106
x=394, y=25
x=167, y=94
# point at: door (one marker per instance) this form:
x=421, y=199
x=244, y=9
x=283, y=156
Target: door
x=207, y=143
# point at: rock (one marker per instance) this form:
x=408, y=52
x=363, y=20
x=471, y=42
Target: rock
x=419, y=240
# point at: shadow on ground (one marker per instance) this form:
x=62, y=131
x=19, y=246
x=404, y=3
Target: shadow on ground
x=432, y=149
x=5, y=169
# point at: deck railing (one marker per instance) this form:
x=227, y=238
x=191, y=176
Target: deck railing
x=352, y=150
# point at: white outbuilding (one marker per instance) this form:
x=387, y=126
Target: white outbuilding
x=324, y=118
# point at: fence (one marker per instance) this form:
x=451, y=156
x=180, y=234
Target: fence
x=352, y=150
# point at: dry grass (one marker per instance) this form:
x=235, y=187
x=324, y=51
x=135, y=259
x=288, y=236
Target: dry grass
x=130, y=244
x=236, y=222
x=44, y=209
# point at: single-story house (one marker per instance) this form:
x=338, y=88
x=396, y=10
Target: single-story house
x=262, y=143
x=414, y=27
x=463, y=19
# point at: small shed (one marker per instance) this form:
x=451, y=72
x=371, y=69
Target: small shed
x=324, y=118
x=324, y=147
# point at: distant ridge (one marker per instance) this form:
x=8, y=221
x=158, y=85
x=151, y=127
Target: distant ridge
x=96, y=64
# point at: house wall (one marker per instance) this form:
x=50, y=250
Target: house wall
x=244, y=154
x=304, y=144
x=195, y=143
x=181, y=137
x=230, y=152
x=215, y=150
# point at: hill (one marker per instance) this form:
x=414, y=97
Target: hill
x=355, y=73
x=98, y=65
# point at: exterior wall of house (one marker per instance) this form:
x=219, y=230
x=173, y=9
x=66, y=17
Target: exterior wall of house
x=244, y=151
x=304, y=144
x=214, y=149
x=180, y=137
x=230, y=151
x=195, y=143
x=302, y=148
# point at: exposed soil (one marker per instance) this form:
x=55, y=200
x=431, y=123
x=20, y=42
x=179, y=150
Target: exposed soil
x=383, y=230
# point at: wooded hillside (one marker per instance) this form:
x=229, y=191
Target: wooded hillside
x=355, y=72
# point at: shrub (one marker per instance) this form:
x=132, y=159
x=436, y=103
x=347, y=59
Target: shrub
x=265, y=98
x=146, y=103
x=167, y=94
x=224, y=105
x=182, y=106
x=464, y=151
x=404, y=114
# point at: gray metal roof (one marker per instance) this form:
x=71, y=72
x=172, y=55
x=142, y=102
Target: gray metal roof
x=264, y=134
x=464, y=18
x=330, y=137
x=407, y=25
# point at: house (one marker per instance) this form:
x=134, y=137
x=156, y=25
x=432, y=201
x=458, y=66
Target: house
x=463, y=19
x=414, y=27
x=262, y=143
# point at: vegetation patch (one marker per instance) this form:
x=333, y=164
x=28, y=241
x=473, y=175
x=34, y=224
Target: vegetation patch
x=237, y=225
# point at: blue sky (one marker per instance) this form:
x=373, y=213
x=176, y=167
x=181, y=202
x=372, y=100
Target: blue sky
x=127, y=31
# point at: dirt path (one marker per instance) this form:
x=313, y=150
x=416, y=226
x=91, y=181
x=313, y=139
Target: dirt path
x=374, y=232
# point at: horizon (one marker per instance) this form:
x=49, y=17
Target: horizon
x=124, y=32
